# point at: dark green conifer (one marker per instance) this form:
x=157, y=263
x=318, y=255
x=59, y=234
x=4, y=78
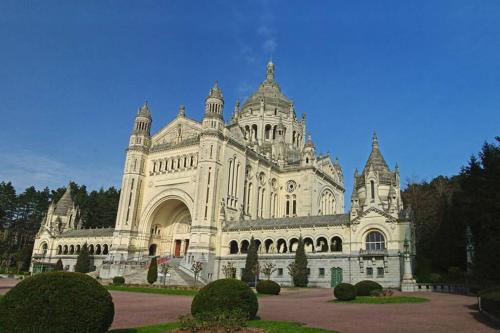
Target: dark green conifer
x=153, y=271
x=252, y=262
x=83, y=260
x=300, y=278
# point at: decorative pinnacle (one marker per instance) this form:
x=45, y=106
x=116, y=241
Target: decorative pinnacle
x=215, y=91
x=182, y=110
x=374, y=140
x=270, y=71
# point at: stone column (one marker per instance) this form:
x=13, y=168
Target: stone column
x=408, y=284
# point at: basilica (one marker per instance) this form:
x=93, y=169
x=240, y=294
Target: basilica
x=198, y=191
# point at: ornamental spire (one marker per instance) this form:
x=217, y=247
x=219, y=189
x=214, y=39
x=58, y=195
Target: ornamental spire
x=374, y=140
x=270, y=71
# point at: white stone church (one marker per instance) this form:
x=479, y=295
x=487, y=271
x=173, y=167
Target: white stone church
x=198, y=191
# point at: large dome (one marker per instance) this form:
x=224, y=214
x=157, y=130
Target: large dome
x=270, y=92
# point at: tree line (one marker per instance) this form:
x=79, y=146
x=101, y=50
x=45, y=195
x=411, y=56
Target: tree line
x=21, y=216
x=450, y=213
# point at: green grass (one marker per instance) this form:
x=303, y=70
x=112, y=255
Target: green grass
x=384, y=300
x=162, y=291
x=284, y=327
x=148, y=329
x=268, y=326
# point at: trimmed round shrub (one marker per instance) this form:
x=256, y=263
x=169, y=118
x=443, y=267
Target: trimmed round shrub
x=57, y=302
x=268, y=287
x=344, y=292
x=118, y=280
x=364, y=288
x=225, y=295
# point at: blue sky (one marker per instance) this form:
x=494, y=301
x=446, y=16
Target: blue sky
x=423, y=74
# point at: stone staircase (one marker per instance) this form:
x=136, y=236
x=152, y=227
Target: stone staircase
x=178, y=277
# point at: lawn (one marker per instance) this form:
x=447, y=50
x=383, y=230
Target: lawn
x=384, y=300
x=268, y=326
x=152, y=290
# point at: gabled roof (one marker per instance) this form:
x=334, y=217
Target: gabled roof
x=376, y=210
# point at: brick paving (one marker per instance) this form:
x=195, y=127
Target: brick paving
x=444, y=313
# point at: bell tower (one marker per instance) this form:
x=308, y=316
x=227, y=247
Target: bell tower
x=127, y=218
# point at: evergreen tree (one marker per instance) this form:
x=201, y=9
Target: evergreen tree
x=153, y=271
x=300, y=278
x=83, y=260
x=59, y=265
x=252, y=262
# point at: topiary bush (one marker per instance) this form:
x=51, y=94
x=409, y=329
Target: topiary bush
x=364, y=288
x=225, y=295
x=57, y=302
x=268, y=287
x=344, y=292
x=118, y=280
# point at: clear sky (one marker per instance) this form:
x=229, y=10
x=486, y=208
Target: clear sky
x=424, y=74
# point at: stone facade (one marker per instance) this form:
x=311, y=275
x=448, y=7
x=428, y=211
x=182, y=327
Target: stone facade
x=201, y=190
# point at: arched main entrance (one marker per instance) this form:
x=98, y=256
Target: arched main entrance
x=170, y=227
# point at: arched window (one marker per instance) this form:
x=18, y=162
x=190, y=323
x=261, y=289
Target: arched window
x=308, y=245
x=375, y=241
x=105, y=249
x=65, y=249
x=336, y=245
x=98, y=249
x=327, y=203
x=294, y=242
x=244, y=246
x=267, y=132
x=282, y=248
x=267, y=245
x=91, y=249
x=233, y=247
x=59, y=249
x=44, y=248
x=321, y=245
x=71, y=249
x=258, y=244
x=372, y=188
x=78, y=248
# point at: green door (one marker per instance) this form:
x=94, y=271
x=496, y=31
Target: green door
x=336, y=276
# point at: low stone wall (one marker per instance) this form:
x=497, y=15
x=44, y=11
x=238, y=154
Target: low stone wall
x=442, y=288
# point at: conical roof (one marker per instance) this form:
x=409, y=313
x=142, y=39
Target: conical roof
x=144, y=110
x=65, y=203
x=215, y=92
x=376, y=160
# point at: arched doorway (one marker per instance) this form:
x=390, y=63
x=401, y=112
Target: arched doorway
x=170, y=227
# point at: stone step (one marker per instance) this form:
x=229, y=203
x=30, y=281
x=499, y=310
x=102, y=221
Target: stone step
x=176, y=277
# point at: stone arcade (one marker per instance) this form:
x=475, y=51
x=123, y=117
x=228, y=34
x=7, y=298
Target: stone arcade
x=198, y=191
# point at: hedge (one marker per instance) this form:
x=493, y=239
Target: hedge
x=225, y=295
x=364, y=288
x=118, y=280
x=344, y=292
x=268, y=287
x=57, y=302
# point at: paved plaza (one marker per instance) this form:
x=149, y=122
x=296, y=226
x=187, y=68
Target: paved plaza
x=444, y=312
